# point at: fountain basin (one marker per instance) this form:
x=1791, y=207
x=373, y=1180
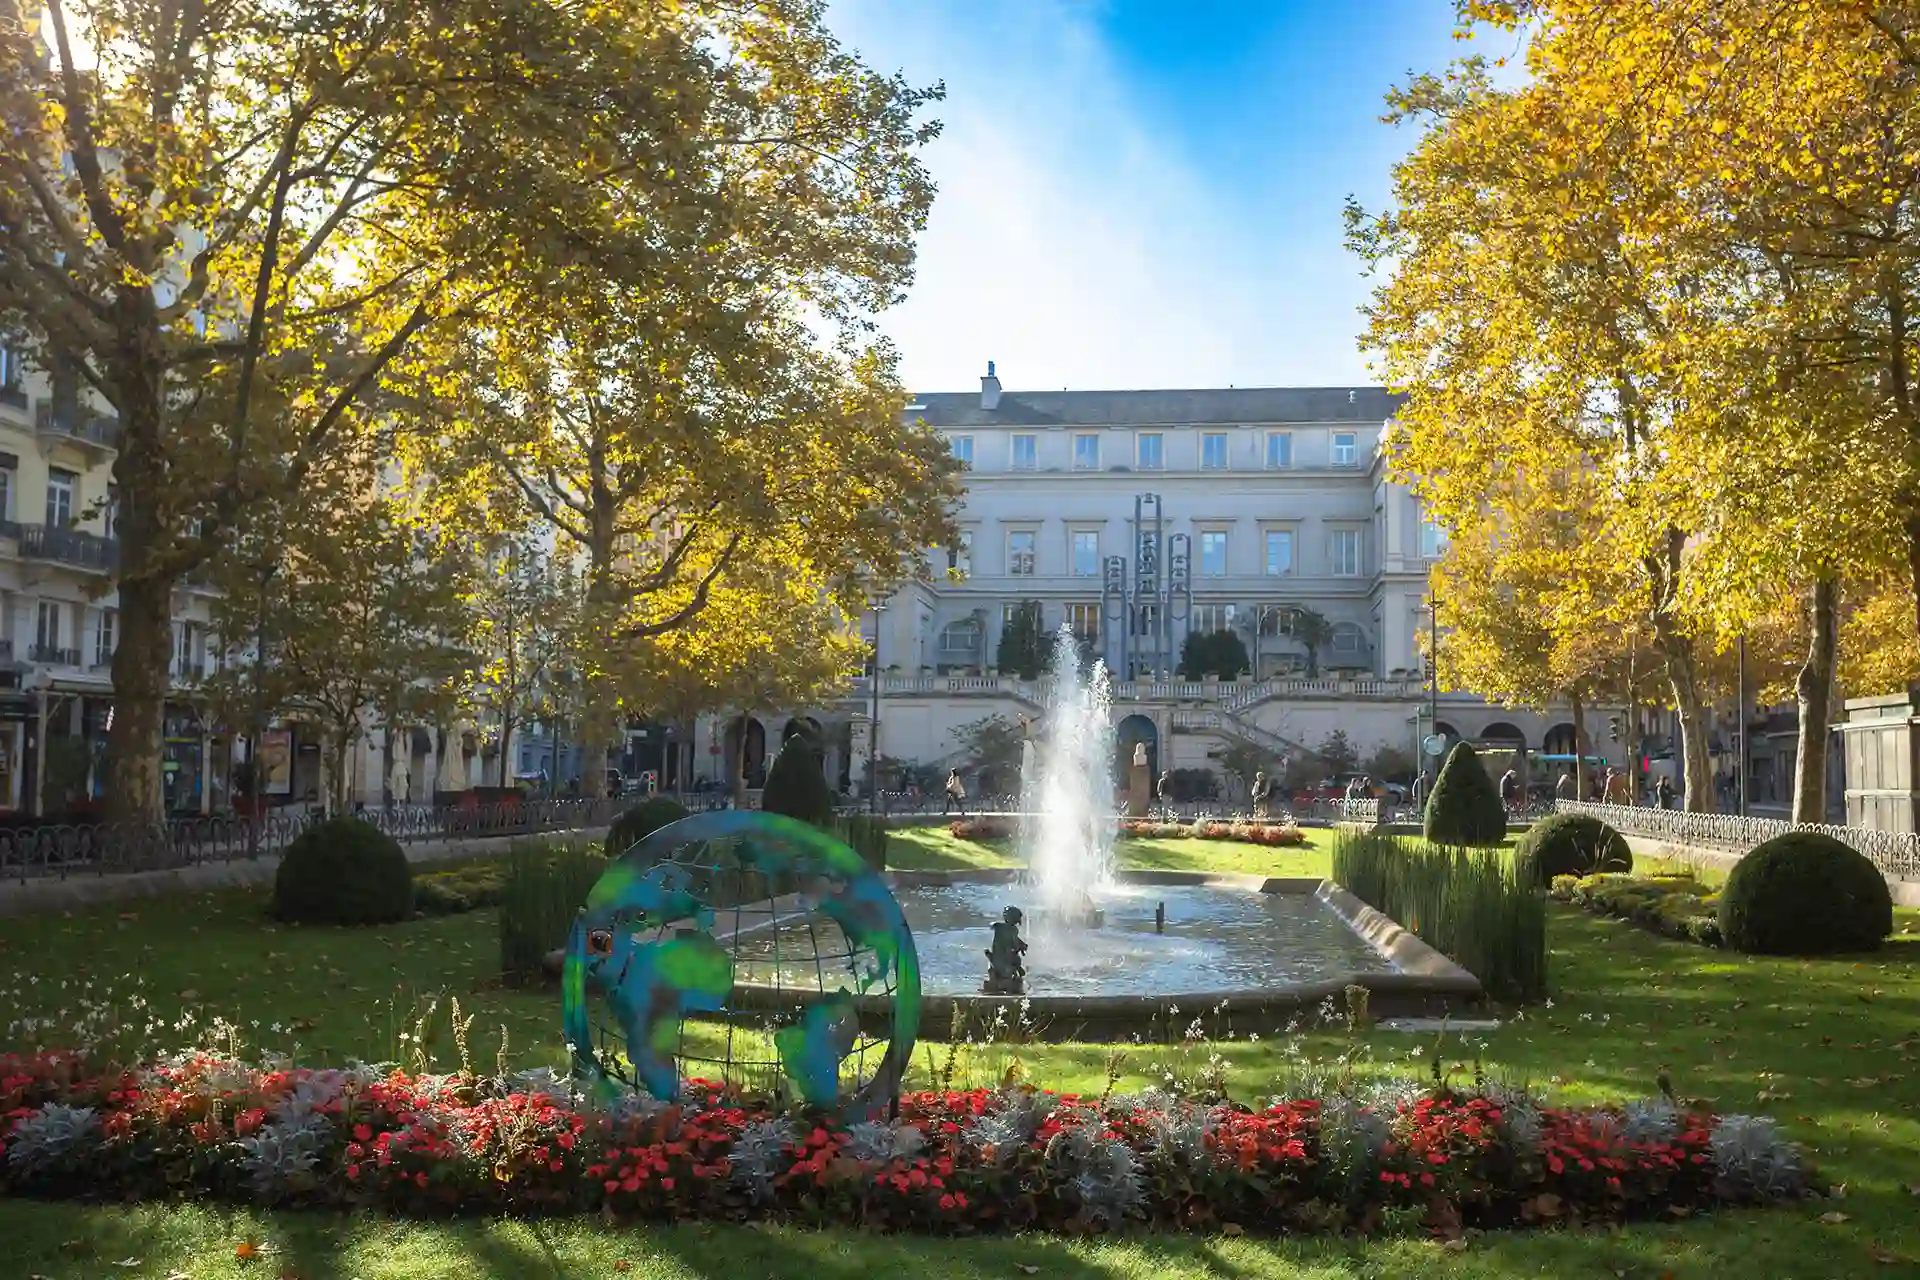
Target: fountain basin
x=1255, y=950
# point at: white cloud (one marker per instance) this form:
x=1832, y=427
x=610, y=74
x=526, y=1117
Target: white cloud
x=1072, y=242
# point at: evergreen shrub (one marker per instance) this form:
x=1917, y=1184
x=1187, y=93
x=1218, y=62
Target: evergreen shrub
x=1465, y=808
x=1805, y=894
x=343, y=871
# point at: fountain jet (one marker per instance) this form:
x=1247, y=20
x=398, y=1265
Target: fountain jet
x=1067, y=828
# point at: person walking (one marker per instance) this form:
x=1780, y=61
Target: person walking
x=1618, y=790
x=1663, y=791
x=1510, y=790
x=1563, y=788
x=956, y=794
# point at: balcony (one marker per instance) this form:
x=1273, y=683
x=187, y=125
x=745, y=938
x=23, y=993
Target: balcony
x=81, y=550
x=88, y=430
x=53, y=656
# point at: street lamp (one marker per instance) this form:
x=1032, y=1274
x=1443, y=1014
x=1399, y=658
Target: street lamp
x=879, y=606
x=1433, y=669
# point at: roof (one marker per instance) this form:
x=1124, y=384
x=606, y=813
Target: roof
x=1230, y=405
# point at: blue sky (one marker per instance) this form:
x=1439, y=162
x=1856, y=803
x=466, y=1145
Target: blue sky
x=1146, y=193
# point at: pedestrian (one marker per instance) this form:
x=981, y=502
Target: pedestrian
x=956, y=794
x=1510, y=789
x=1663, y=791
x=1617, y=789
x=1563, y=789
x=1421, y=785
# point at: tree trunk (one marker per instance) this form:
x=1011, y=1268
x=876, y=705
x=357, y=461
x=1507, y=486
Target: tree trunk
x=140, y=665
x=342, y=791
x=1579, y=749
x=1696, y=768
x=1814, y=689
x=386, y=766
x=740, y=765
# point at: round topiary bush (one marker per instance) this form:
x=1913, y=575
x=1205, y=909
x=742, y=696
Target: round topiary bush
x=1570, y=844
x=1465, y=808
x=641, y=821
x=796, y=787
x=1805, y=894
x=343, y=871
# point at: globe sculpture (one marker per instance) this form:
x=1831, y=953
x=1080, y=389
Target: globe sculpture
x=745, y=947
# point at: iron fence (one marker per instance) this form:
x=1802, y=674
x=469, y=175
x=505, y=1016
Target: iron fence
x=1896, y=853
x=106, y=848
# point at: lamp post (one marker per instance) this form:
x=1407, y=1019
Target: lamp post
x=1433, y=666
x=879, y=607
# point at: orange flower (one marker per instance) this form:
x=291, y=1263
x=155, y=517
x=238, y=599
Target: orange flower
x=247, y=1251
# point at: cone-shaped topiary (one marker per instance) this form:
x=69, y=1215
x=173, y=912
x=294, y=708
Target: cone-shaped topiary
x=641, y=821
x=343, y=871
x=1465, y=808
x=796, y=787
x=1805, y=894
x=1570, y=844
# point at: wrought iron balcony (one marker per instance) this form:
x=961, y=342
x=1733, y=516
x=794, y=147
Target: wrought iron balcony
x=69, y=546
x=54, y=656
x=75, y=424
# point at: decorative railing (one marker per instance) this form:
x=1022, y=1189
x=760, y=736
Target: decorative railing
x=1896, y=853
x=74, y=547
x=1231, y=696
x=106, y=848
x=92, y=428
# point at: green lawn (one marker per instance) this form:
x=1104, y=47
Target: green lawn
x=1829, y=1047
x=936, y=849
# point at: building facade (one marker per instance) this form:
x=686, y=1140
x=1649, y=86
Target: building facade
x=1138, y=518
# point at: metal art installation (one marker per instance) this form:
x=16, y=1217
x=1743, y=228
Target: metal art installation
x=745, y=947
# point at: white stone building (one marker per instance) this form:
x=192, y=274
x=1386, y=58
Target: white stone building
x=1136, y=518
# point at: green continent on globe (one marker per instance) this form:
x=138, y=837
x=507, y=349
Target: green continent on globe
x=811, y=1051
x=660, y=983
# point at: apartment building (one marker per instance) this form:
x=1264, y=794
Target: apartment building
x=1137, y=518
x=58, y=555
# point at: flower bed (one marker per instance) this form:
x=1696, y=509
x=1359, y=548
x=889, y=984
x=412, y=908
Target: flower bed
x=983, y=829
x=1276, y=835
x=963, y=1161
x=1674, y=906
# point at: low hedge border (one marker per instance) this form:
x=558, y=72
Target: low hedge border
x=1273, y=835
x=1674, y=906
x=957, y=1162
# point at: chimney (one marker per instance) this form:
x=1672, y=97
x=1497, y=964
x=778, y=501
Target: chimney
x=990, y=390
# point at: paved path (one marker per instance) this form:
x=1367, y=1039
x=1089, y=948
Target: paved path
x=40, y=895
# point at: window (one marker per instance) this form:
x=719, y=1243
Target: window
x=962, y=637
x=1344, y=553
x=1213, y=451
x=1152, y=457
x=963, y=449
x=1345, y=451
x=1086, y=453
x=1086, y=553
x=46, y=626
x=6, y=493
x=1433, y=540
x=1020, y=553
x=1279, y=551
x=1026, y=452
x=1084, y=619
x=103, y=639
x=1208, y=618
x=1146, y=619
x=10, y=368
x=1279, y=450
x=110, y=517
x=960, y=555
x=61, y=486
x=1213, y=553
x=183, y=649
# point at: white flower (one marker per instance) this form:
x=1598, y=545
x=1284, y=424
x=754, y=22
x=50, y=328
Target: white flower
x=1415, y=1052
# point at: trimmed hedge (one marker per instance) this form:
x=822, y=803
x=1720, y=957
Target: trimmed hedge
x=1673, y=906
x=1805, y=894
x=1465, y=808
x=641, y=821
x=1571, y=844
x=796, y=787
x=343, y=871
x=866, y=835
x=543, y=889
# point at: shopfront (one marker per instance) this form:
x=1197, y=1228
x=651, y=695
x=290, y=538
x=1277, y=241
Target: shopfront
x=182, y=760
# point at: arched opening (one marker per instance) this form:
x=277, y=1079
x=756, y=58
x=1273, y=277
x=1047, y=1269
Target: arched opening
x=1561, y=740
x=1133, y=731
x=746, y=758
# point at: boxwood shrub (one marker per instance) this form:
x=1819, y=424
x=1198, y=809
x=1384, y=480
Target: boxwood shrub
x=1571, y=844
x=343, y=871
x=1805, y=894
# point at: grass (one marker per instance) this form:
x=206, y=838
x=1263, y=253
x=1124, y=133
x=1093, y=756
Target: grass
x=1829, y=1047
x=937, y=849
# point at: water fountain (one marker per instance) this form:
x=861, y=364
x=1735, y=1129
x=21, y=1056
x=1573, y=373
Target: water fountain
x=1067, y=831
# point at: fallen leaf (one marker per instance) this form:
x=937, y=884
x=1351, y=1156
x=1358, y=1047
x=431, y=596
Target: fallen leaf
x=246, y=1251
x=1028, y=1269
x=129, y=1263
x=1455, y=1245
x=1232, y=1229
x=1885, y=1257
x=621, y=1264
x=1833, y=1218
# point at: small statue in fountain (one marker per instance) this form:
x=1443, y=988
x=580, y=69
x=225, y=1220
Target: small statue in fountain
x=1006, y=962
